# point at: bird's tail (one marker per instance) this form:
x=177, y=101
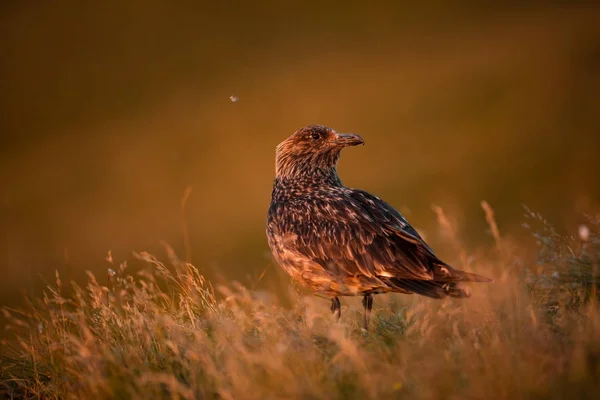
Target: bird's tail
x=433, y=289
x=446, y=282
x=464, y=276
x=445, y=273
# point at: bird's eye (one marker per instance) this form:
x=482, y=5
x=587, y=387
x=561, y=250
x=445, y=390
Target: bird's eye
x=315, y=136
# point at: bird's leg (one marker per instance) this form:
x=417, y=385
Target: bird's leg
x=368, y=304
x=336, y=307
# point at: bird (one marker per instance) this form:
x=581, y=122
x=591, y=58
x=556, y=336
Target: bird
x=339, y=241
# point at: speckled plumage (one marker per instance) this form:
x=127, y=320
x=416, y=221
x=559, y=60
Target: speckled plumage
x=340, y=241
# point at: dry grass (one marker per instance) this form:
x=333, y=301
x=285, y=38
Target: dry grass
x=164, y=333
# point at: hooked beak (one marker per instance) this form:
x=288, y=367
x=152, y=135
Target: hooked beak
x=348, y=139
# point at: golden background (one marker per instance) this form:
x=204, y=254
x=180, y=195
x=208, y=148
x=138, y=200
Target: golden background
x=111, y=109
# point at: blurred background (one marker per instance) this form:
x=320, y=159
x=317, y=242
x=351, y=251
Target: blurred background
x=111, y=109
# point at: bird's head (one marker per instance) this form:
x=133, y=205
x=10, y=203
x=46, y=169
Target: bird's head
x=314, y=149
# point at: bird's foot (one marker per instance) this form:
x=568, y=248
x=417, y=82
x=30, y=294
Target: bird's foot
x=368, y=305
x=336, y=308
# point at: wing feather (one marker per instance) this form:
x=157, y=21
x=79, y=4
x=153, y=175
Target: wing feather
x=357, y=233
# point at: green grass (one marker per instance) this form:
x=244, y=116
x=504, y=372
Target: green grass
x=163, y=332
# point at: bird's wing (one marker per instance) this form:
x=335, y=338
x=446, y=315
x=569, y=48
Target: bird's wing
x=356, y=233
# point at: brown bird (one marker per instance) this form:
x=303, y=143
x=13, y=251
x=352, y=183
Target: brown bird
x=340, y=241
